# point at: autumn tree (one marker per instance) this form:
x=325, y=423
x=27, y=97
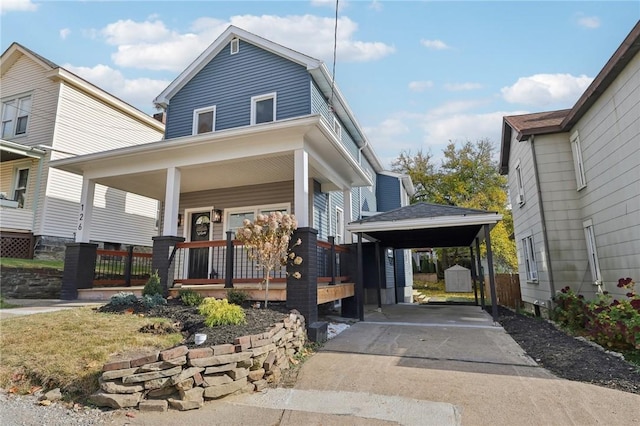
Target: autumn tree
x=467, y=177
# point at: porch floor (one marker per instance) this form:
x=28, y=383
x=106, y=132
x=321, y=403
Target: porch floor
x=277, y=291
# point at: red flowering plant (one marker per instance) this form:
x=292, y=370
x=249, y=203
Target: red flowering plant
x=267, y=241
x=610, y=322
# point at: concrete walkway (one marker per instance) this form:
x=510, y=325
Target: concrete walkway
x=418, y=365
x=37, y=306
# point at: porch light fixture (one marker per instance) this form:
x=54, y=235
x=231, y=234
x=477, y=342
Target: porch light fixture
x=179, y=220
x=217, y=216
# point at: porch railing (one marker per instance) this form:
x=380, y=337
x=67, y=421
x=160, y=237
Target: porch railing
x=227, y=262
x=121, y=268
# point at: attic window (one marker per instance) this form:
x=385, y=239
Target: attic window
x=337, y=128
x=235, y=46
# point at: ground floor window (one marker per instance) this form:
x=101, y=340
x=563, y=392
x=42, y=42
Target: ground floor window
x=592, y=253
x=529, y=257
x=235, y=216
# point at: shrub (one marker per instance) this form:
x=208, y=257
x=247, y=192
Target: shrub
x=191, y=298
x=123, y=299
x=611, y=323
x=151, y=301
x=153, y=285
x=221, y=312
x=237, y=297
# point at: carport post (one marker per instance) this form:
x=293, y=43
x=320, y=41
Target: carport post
x=360, y=283
x=474, y=276
x=480, y=274
x=492, y=278
x=379, y=269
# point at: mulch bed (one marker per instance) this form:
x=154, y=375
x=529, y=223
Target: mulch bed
x=568, y=357
x=188, y=321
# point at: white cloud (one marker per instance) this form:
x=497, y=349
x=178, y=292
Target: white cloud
x=64, y=33
x=459, y=87
x=17, y=6
x=151, y=45
x=590, y=22
x=420, y=86
x=434, y=44
x=131, y=32
x=544, y=89
x=139, y=91
x=376, y=5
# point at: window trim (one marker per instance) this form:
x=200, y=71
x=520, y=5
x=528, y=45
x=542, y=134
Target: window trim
x=18, y=99
x=337, y=128
x=521, y=199
x=234, y=46
x=339, y=231
x=529, y=258
x=258, y=98
x=16, y=181
x=592, y=251
x=255, y=209
x=578, y=163
x=196, y=115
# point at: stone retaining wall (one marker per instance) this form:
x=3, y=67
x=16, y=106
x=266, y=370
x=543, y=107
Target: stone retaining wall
x=30, y=283
x=183, y=378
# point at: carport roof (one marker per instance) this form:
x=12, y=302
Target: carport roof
x=426, y=225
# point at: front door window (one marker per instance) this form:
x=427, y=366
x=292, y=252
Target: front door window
x=199, y=257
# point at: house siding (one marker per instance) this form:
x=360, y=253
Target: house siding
x=321, y=216
x=609, y=133
x=27, y=77
x=242, y=196
x=388, y=193
x=85, y=125
x=229, y=81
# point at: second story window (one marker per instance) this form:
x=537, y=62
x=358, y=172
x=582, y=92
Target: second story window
x=337, y=128
x=576, y=149
x=263, y=108
x=15, y=116
x=234, y=46
x=520, y=183
x=204, y=120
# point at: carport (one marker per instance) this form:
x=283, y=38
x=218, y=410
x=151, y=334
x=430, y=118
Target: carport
x=429, y=225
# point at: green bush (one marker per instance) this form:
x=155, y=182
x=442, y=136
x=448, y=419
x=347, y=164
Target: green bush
x=221, y=312
x=153, y=285
x=237, y=297
x=123, y=299
x=191, y=297
x=153, y=301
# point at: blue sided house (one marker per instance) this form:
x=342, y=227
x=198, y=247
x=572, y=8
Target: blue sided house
x=251, y=127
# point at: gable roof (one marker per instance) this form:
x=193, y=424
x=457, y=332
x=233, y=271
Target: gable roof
x=315, y=67
x=56, y=72
x=562, y=121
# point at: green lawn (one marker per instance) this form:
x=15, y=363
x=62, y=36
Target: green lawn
x=436, y=292
x=31, y=263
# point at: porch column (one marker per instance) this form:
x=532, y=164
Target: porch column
x=480, y=274
x=492, y=278
x=171, y=202
x=302, y=293
x=85, y=216
x=301, y=187
x=79, y=266
x=161, y=260
x=346, y=197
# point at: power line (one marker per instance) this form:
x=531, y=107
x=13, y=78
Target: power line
x=335, y=48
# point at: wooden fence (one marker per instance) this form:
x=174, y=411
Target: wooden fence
x=507, y=290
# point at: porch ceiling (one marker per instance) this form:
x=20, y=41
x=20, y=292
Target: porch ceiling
x=230, y=158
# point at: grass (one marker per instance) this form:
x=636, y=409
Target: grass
x=437, y=291
x=5, y=305
x=31, y=263
x=67, y=349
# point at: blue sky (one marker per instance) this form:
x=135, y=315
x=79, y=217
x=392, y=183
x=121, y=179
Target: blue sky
x=417, y=74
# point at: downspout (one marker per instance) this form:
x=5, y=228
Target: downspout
x=542, y=218
x=36, y=199
x=366, y=143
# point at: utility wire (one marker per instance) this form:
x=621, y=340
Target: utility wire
x=335, y=48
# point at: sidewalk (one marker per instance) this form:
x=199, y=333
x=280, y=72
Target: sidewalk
x=418, y=365
x=37, y=306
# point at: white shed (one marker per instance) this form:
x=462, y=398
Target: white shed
x=457, y=279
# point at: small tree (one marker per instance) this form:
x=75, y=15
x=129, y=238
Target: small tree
x=267, y=242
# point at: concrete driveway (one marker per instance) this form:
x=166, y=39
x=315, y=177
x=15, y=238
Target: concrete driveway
x=419, y=365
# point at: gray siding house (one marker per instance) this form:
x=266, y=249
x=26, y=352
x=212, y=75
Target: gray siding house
x=251, y=127
x=574, y=183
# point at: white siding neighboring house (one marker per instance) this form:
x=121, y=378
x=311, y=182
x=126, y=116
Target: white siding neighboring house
x=50, y=113
x=574, y=182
